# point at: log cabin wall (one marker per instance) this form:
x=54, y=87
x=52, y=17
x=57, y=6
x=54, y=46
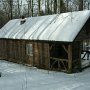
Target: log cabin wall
x=76, y=50
x=15, y=51
x=41, y=54
x=76, y=56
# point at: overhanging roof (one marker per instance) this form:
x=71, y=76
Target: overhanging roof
x=57, y=27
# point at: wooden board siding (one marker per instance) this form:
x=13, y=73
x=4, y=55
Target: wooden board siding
x=11, y=50
x=41, y=54
x=1, y=45
x=76, y=56
x=70, y=58
x=75, y=50
x=15, y=51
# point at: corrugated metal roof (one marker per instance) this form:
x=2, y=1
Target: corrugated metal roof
x=58, y=27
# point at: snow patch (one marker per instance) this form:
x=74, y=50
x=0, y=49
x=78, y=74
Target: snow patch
x=19, y=77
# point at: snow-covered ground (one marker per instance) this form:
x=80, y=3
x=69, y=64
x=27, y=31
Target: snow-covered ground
x=19, y=77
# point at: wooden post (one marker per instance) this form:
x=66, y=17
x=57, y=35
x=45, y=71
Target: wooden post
x=69, y=58
x=48, y=57
x=80, y=50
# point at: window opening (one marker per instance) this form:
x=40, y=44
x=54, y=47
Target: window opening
x=29, y=49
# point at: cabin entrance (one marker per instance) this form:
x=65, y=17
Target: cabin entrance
x=58, y=57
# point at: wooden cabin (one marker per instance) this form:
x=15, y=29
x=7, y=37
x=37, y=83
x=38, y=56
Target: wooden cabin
x=52, y=42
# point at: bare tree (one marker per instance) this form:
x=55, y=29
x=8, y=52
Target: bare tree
x=10, y=9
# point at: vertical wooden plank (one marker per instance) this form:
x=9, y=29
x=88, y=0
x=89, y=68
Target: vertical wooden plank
x=32, y=57
x=44, y=55
x=34, y=53
x=37, y=54
x=5, y=51
x=0, y=49
x=23, y=51
x=80, y=51
x=11, y=49
x=47, y=57
x=39, y=62
x=69, y=58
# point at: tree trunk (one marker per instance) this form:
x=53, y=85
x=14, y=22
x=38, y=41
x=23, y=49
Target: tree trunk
x=39, y=2
x=18, y=8
x=11, y=7
x=32, y=9
x=55, y=6
x=47, y=6
x=62, y=7
x=80, y=5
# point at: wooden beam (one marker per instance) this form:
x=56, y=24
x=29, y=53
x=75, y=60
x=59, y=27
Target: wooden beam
x=58, y=59
x=69, y=58
x=48, y=51
x=65, y=48
x=51, y=47
x=80, y=50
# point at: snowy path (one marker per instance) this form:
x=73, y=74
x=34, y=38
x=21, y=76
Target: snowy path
x=19, y=77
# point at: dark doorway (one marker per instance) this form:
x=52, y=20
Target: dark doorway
x=58, y=56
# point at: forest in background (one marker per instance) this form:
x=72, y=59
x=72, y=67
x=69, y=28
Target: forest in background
x=14, y=9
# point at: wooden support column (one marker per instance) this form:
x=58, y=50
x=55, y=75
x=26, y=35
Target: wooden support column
x=66, y=50
x=69, y=58
x=80, y=51
x=48, y=57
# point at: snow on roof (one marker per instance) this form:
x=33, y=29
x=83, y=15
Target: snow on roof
x=57, y=27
